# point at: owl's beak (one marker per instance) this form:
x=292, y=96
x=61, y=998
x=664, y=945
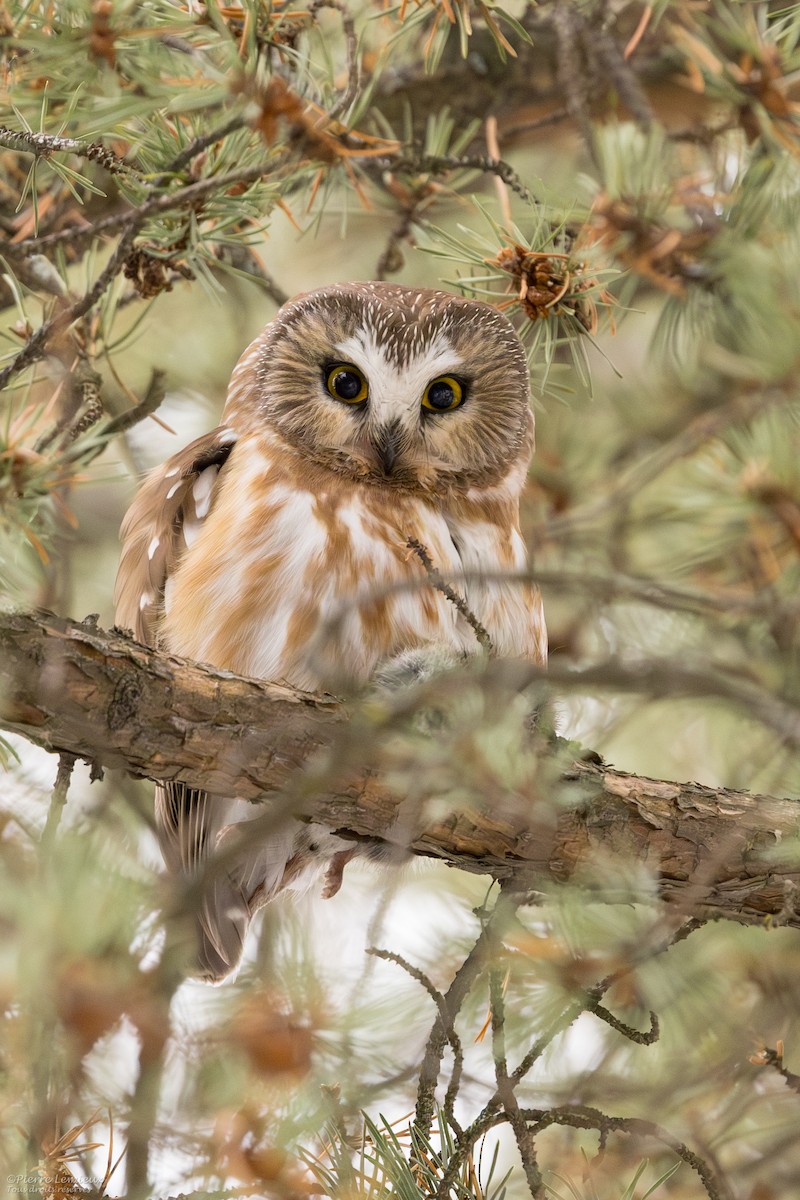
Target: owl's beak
x=387, y=443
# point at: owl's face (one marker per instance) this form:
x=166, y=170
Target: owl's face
x=394, y=386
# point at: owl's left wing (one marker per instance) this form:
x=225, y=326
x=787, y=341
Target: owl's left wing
x=161, y=522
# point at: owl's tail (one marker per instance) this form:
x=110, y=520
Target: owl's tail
x=193, y=831
x=221, y=926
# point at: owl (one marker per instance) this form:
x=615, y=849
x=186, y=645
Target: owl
x=366, y=416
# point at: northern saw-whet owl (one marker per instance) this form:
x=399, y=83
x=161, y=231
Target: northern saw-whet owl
x=363, y=416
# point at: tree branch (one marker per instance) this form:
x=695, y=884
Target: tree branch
x=76, y=689
x=43, y=145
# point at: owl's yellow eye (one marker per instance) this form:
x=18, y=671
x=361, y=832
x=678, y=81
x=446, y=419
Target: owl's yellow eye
x=345, y=382
x=443, y=394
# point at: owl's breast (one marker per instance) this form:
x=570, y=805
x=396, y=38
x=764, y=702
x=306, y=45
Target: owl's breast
x=311, y=584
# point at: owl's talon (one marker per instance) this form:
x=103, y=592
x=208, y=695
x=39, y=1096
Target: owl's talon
x=334, y=873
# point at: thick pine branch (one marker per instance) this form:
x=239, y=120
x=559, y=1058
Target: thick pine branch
x=74, y=688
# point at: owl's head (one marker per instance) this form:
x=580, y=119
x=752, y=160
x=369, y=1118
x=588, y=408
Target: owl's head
x=392, y=385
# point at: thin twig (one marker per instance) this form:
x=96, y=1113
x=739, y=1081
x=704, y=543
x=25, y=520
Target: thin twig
x=201, y=143
x=440, y=164
x=351, y=44
x=58, y=797
x=446, y=1021
x=441, y=1032
x=452, y=595
x=42, y=145
x=415, y=972
x=391, y=261
x=36, y=346
x=592, y=997
x=180, y=197
x=581, y=1116
x=613, y=64
x=245, y=260
x=145, y=408
x=505, y=1089
x=79, y=410
x=642, y=1038
x=573, y=70
x=774, y=1058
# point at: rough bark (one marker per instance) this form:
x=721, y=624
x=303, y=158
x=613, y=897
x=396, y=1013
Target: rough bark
x=73, y=687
